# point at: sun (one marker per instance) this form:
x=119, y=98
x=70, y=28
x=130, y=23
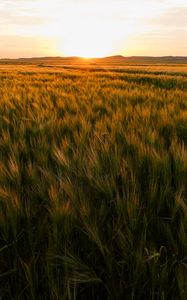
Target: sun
x=86, y=43
x=89, y=36
x=85, y=48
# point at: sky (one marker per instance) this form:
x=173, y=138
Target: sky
x=92, y=28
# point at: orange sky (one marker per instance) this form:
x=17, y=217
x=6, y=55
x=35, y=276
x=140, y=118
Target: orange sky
x=92, y=28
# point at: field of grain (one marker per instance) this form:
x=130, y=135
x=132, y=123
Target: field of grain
x=93, y=183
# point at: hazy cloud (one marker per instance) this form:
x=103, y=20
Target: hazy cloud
x=173, y=18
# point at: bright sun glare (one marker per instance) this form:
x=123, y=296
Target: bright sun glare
x=89, y=33
x=85, y=47
x=97, y=29
x=86, y=42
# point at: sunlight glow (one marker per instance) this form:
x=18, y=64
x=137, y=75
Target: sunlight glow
x=93, y=28
x=97, y=30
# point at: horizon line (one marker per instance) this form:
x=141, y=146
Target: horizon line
x=87, y=58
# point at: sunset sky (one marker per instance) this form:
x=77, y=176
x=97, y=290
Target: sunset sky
x=92, y=28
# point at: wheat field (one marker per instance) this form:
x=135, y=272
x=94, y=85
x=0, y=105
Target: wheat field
x=93, y=182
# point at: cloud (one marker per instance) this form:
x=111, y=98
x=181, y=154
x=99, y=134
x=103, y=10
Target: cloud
x=173, y=18
x=21, y=17
x=16, y=19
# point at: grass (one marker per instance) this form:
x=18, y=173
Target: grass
x=93, y=172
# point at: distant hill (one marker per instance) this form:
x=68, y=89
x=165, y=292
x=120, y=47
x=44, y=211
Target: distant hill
x=117, y=60
x=145, y=59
